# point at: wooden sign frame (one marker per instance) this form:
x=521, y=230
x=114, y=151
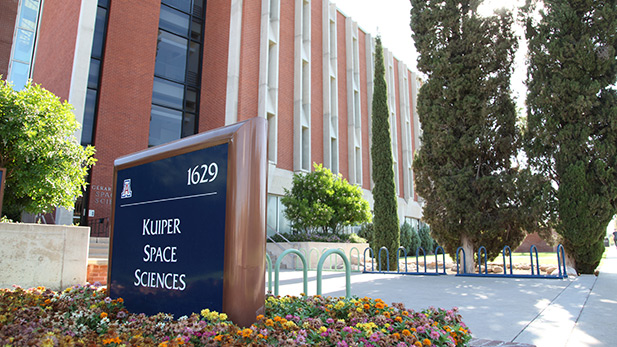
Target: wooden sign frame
x=245, y=211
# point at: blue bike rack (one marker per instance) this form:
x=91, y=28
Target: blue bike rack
x=406, y=272
x=535, y=273
x=387, y=259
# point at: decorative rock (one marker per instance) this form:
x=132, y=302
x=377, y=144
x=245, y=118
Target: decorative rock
x=497, y=269
x=551, y=269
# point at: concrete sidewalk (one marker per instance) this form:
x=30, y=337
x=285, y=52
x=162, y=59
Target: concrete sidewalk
x=542, y=312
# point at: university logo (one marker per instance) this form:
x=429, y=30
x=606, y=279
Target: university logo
x=126, y=189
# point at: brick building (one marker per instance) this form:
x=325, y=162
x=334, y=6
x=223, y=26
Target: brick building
x=143, y=73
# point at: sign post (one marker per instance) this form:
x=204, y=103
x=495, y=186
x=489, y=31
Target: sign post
x=188, y=225
x=2, y=178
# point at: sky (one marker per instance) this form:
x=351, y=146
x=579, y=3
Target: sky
x=390, y=18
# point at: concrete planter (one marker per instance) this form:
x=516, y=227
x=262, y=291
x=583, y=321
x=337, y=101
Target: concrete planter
x=54, y=256
x=313, y=251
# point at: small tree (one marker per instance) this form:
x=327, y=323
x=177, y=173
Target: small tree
x=323, y=201
x=386, y=225
x=409, y=238
x=46, y=167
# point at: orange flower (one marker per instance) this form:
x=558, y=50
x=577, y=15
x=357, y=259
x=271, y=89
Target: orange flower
x=427, y=342
x=398, y=319
x=260, y=317
x=47, y=302
x=406, y=332
x=163, y=344
x=218, y=338
x=386, y=314
x=179, y=340
x=396, y=336
x=277, y=318
x=380, y=306
x=247, y=332
x=269, y=322
x=104, y=314
x=260, y=336
x=418, y=344
x=110, y=340
x=367, y=306
x=120, y=300
x=405, y=313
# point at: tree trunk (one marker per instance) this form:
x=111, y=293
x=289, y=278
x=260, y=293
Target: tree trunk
x=470, y=266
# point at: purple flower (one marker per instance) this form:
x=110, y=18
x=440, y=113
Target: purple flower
x=421, y=329
x=374, y=337
x=121, y=314
x=107, y=300
x=300, y=339
x=342, y=344
x=329, y=320
x=348, y=329
x=434, y=334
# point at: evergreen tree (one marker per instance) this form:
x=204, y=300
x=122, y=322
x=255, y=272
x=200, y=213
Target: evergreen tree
x=385, y=208
x=572, y=118
x=474, y=194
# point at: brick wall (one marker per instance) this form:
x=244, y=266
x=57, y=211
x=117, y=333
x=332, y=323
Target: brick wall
x=249, y=60
x=8, y=13
x=342, y=95
x=55, y=50
x=286, y=87
x=317, y=141
x=126, y=89
x=97, y=273
x=214, y=68
x=366, y=148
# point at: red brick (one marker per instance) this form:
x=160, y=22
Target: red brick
x=8, y=14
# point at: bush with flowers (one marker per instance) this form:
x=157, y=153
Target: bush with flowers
x=86, y=316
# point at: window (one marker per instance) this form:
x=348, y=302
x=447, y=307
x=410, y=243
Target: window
x=276, y=221
x=177, y=71
x=20, y=64
x=96, y=62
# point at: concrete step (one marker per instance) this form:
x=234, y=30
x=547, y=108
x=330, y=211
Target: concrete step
x=99, y=248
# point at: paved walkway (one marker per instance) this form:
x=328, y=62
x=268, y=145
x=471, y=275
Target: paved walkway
x=573, y=312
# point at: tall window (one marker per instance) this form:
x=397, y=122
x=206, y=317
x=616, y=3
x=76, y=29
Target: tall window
x=276, y=216
x=177, y=71
x=96, y=62
x=20, y=65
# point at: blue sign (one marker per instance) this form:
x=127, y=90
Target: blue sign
x=169, y=233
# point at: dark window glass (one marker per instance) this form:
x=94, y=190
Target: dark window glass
x=196, y=30
x=89, y=110
x=174, y=21
x=188, y=126
x=198, y=6
x=190, y=102
x=182, y=5
x=104, y=3
x=171, y=57
x=165, y=125
x=193, y=68
x=166, y=93
x=93, y=75
x=99, y=33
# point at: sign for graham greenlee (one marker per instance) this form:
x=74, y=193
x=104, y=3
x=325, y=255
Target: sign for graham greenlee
x=179, y=243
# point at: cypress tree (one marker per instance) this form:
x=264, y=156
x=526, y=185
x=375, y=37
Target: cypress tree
x=572, y=119
x=385, y=208
x=464, y=170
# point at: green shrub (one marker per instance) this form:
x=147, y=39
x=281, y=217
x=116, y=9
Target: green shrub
x=409, y=238
x=366, y=232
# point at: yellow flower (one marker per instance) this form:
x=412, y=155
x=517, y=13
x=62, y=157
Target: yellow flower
x=223, y=316
x=359, y=309
x=322, y=329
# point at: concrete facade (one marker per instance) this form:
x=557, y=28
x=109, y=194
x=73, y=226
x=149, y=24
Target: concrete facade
x=54, y=256
x=303, y=65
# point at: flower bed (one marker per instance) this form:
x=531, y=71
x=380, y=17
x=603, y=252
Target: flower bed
x=85, y=316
